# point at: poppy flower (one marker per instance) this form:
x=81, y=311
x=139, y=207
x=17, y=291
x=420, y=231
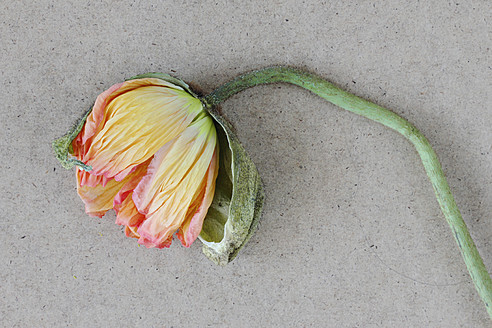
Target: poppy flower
x=154, y=156
x=149, y=149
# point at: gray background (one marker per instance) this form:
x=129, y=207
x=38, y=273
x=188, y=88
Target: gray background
x=351, y=235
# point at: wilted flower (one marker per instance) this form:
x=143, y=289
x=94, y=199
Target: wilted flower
x=149, y=149
x=154, y=156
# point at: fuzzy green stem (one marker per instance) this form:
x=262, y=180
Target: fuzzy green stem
x=352, y=103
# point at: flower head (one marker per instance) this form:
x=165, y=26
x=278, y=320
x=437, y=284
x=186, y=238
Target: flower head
x=149, y=149
x=153, y=151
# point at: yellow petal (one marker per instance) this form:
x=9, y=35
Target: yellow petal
x=177, y=176
x=98, y=199
x=192, y=225
x=132, y=123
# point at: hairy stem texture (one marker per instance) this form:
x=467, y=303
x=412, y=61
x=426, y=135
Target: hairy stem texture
x=352, y=103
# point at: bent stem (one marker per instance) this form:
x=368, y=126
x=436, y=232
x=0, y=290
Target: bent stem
x=352, y=103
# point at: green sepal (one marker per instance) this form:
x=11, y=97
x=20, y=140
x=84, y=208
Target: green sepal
x=236, y=208
x=167, y=78
x=63, y=146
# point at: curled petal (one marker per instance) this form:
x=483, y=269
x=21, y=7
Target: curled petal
x=99, y=198
x=126, y=211
x=94, y=121
x=150, y=243
x=192, y=226
x=91, y=180
x=131, y=232
x=176, y=181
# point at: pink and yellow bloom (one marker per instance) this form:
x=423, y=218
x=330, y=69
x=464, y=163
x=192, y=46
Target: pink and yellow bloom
x=153, y=151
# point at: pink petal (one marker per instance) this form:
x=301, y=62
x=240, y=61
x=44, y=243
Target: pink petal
x=192, y=227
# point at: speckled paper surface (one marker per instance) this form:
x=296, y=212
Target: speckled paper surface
x=351, y=235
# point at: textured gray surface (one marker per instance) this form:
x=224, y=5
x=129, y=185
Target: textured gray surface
x=351, y=234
